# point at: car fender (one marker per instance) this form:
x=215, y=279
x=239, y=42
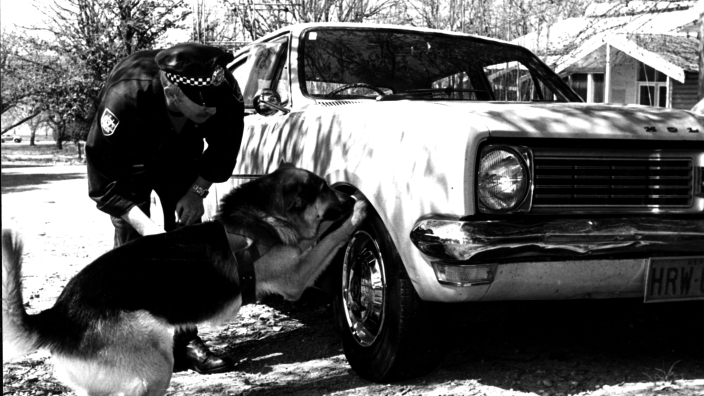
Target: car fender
x=434, y=176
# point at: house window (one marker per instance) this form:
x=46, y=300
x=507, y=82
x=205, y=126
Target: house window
x=598, y=87
x=579, y=84
x=652, y=86
x=589, y=86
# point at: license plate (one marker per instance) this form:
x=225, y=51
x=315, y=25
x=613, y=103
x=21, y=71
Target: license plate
x=674, y=279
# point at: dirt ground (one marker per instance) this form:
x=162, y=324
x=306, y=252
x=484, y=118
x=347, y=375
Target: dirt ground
x=283, y=348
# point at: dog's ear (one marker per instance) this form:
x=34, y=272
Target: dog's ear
x=295, y=204
x=292, y=196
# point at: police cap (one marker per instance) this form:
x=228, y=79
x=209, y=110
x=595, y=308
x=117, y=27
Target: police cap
x=200, y=71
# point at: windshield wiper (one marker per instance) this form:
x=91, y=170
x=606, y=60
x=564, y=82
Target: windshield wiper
x=424, y=92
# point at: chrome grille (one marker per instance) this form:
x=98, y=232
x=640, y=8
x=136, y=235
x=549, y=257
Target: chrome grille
x=601, y=182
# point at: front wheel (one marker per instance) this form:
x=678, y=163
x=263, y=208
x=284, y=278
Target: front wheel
x=388, y=333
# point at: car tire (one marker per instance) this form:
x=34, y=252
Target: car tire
x=388, y=333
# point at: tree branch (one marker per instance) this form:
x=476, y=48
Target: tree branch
x=20, y=122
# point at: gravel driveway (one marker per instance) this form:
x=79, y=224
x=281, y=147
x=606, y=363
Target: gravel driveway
x=553, y=348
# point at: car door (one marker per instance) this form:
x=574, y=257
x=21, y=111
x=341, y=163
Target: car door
x=265, y=65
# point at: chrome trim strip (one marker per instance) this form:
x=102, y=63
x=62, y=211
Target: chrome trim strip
x=467, y=242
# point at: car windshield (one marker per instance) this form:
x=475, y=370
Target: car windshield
x=389, y=64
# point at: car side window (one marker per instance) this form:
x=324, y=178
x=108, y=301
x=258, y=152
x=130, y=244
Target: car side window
x=281, y=82
x=265, y=66
x=240, y=72
x=463, y=86
x=513, y=81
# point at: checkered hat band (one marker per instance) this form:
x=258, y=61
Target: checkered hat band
x=192, y=81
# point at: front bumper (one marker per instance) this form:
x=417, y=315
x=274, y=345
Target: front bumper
x=469, y=252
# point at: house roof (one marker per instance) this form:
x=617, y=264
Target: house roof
x=679, y=50
x=565, y=36
x=671, y=55
x=660, y=40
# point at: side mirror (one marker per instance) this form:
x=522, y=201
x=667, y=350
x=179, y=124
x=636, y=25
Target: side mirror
x=267, y=102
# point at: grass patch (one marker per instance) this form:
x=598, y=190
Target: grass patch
x=43, y=153
x=669, y=376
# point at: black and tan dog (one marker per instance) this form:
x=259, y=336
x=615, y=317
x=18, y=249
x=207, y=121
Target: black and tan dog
x=110, y=331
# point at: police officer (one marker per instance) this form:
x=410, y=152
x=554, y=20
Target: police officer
x=154, y=113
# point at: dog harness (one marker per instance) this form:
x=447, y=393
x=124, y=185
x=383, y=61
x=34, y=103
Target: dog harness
x=246, y=250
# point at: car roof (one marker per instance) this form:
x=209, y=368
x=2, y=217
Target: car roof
x=297, y=29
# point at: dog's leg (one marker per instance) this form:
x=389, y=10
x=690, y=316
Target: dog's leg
x=317, y=258
x=288, y=271
x=136, y=360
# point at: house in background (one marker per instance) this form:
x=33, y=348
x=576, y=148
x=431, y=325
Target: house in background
x=638, y=58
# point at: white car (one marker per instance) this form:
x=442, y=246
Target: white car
x=489, y=179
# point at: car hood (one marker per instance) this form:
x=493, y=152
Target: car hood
x=586, y=120
x=553, y=120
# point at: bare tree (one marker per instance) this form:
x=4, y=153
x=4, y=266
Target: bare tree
x=618, y=16
x=701, y=55
x=63, y=75
x=25, y=117
x=41, y=121
x=503, y=19
x=255, y=18
x=22, y=69
x=100, y=32
x=212, y=23
x=17, y=63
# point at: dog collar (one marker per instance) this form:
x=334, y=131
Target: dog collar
x=245, y=253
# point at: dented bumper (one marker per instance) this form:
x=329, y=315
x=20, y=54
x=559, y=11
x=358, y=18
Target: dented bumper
x=470, y=252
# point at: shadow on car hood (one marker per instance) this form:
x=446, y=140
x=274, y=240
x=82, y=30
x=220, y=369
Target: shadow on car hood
x=581, y=120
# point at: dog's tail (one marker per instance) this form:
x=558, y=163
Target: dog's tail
x=18, y=337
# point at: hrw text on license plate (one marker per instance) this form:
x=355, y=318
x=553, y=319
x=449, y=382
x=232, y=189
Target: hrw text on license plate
x=674, y=279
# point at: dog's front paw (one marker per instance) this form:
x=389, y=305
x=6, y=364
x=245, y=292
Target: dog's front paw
x=352, y=223
x=359, y=213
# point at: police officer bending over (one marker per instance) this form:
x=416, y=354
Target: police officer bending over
x=153, y=114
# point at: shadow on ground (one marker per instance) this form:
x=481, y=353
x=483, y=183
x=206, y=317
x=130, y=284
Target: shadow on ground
x=315, y=339
x=568, y=346
x=13, y=180
x=554, y=348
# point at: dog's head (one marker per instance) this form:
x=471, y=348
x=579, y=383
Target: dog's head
x=307, y=200
x=291, y=200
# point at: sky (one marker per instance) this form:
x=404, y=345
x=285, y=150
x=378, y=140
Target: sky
x=17, y=12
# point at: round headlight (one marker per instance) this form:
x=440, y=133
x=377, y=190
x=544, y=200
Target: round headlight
x=502, y=180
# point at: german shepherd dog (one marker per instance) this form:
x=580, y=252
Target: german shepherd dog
x=110, y=331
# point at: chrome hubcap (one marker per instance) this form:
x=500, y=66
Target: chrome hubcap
x=364, y=288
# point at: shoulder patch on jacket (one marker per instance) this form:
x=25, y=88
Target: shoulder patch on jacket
x=109, y=122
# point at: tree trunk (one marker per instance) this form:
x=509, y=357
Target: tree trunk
x=80, y=153
x=701, y=55
x=59, y=144
x=33, y=131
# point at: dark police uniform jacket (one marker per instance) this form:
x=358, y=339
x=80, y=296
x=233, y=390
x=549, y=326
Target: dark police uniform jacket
x=132, y=147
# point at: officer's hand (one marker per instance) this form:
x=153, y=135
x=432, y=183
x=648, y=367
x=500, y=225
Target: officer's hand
x=189, y=209
x=152, y=229
x=141, y=222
